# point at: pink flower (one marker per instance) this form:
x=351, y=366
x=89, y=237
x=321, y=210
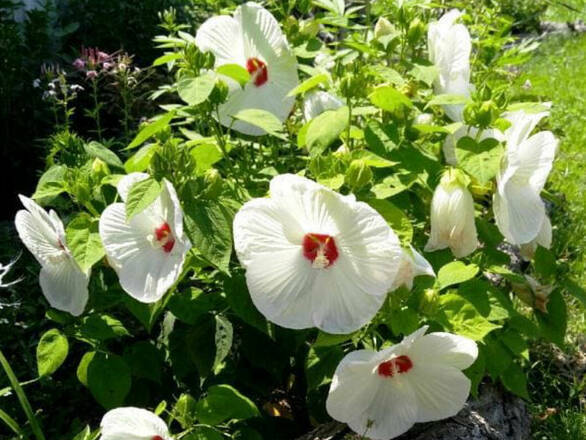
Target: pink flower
x=79, y=64
x=91, y=74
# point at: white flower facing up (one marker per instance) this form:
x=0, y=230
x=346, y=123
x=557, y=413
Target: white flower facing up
x=133, y=424
x=412, y=265
x=62, y=281
x=148, y=251
x=254, y=40
x=318, y=102
x=315, y=258
x=382, y=394
x=518, y=209
x=452, y=217
x=449, y=48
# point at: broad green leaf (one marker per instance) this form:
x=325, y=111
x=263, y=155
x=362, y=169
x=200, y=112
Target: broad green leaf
x=208, y=224
x=167, y=58
x=140, y=160
x=516, y=343
x=107, y=376
x=426, y=74
x=151, y=129
x=455, y=272
x=515, y=380
x=403, y=320
x=461, y=317
x=52, y=183
x=190, y=304
x=141, y=195
x=95, y=149
x=310, y=83
x=396, y=219
x=235, y=72
x=378, y=138
x=324, y=129
x=498, y=356
x=84, y=241
x=545, y=263
x=238, y=298
x=320, y=365
x=223, y=339
x=476, y=372
x=201, y=432
x=196, y=90
x=222, y=403
x=480, y=160
x=51, y=352
x=388, y=98
x=447, y=100
x=576, y=290
x=145, y=361
x=100, y=328
x=553, y=323
x=184, y=411
x=263, y=120
x=372, y=160
x=327, y=339
x=205, y=156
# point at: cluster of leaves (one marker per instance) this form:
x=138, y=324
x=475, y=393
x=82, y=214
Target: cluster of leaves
x=204, y=352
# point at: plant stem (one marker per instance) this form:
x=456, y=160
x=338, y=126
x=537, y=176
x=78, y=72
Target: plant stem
x=24, y=403
x=96, y=108
x=12, y=424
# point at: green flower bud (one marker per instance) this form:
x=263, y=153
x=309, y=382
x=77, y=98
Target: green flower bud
x=219, y=93
x=213, y=183
x=383, y=27
x=358, y=174
x=415, y=32
x=429, y=302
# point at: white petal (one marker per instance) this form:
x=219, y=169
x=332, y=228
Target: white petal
x=536, y=157
x=522, y=124
x=65, y=285
x=444, y=348
x=519, y=212
x=222, y=35
x=316, y=103
x=132, y=424
x=544, y=239
x=441, y=390
x=127, y=181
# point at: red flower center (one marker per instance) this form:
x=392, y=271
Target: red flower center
x=320, y=249
x=165, y=238
x=400, y=364
x=258, y=71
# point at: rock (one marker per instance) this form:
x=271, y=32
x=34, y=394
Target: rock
x=495, y=415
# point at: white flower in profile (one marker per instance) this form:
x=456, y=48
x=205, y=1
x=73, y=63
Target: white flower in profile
x=148, y=251
x=452, y=216
x=518, y=209
x=449, y=48
x=62, y=281
x=543, y=239
x=315, y=258
x=315, y=103
x=381, y=395
x=412, y=265
x=254, y=40
x=131, y=423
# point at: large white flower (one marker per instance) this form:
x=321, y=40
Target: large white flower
x=148, y=251
x=543, y=239
x=315, y=103
x=518, y=208
x=62, y=281
x=449, y=48
x=412, y=265
x=452, y=217
x=254, y=40
x=314, y=257
x=382, y=394
x=133, y=424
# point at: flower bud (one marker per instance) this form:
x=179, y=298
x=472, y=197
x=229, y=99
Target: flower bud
x=415, y=32
x=213, y=183
x=100, y=168
x=423, y=119
x=219, y=93
x=412, y=264
x=533, y=293
x=452, y=216
x=383, y=27
x=358, y=174
x=429, y=302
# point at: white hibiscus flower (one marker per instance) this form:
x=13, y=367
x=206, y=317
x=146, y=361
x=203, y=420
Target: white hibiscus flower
x=315, y=103
x=412, y=265
x=133, y=424
x=452, y=217
x=449, y=48
x=254, y=40
x=543, y=239
x=518, y=209
x=62, y=281
x=148, y=251
x=314, y=257
x=382, y=394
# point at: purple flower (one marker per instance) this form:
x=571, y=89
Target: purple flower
x=79, y=64
x=91, y=74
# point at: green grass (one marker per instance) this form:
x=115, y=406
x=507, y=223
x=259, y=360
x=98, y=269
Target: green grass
x=566, y=10
x=557, y=72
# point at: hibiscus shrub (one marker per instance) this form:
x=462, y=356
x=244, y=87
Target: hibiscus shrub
x=376, y=182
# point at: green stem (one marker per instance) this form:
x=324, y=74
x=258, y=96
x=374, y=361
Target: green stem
x=96, y=108
x=12, y=424
x=24, y=403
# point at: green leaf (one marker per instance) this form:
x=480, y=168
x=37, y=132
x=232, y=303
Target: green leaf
x=51, y=352
x=515, y=380
x=223, y=339
x=263, y=120
x=309, y=84
x=388, y=98
x=235, y=72
x=324, y=129
x=202, y=432
x=498, y=357
x=205, y=156
x=208, y=224
x=476, y=372
x=426, y=74
x=447, y=100
x=455, y=272
x=544, y=262
x=101, y=328
x=145, y=361
x=184, y=411
x=372, y=160
x=107, y=376
x=84, y=241
x=516, y=343
x=238, y=298
x=190, y=304
x=326, y=339
x=320, y=365
x=576, y=290
x=151, y=129
x=141, y=195
x=140, y=160
x=167, y=58
x=378, y=138
x=461, y=317
x=84, y=434
x=95, y=149
x=196, y=90
x=52, y=183
x=480, y=160
x=397, y=219
x=553, y=323
x=223, y=402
